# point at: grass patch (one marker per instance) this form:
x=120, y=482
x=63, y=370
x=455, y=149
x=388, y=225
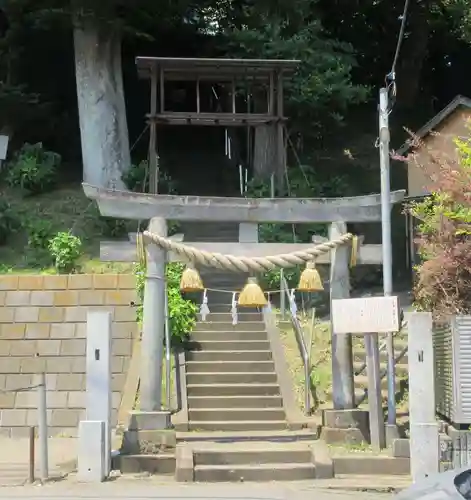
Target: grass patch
x=321, y=369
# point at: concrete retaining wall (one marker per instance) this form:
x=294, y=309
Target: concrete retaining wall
x=43, y=328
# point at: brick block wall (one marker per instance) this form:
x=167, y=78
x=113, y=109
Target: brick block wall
x=43, y=328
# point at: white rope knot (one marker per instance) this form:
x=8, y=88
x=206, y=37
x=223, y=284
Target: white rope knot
x=245, y=264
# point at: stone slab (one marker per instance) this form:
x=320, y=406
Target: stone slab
x=149, y=420
x=347, y=436
x=401, y=448
x=91, y=455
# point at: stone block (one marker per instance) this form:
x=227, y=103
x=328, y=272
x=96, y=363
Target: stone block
x=8, y=282
x=33, y=365
x=28, y=314
x=17, y=298
x=30, y=282
x=5, y=347
x=59, y=364
x=51, y=314
x=91, y=298
x=79, y=365
x=9, y=365
x=66, y=298
x=13, y=418
x=120, y=297
x=48, y=347
x=121, y=347
x=55, y=283
x=80, y=330
x=3, y=295
x=75, y=314
x=105, y=281
x=17, y=380
x=401, y=448
x=347, y=419
x=117, y=381
x=148, y=441
x=344, y=436
x=91, y=452
x=184, y=467
x=37, y=331
x=25, y=400
x=65, y=418
x=7, y=400
x=124, y=313
x=51, y=381
x=117, y=364
x=80, y=281
x=115, y=400
x=42, y=298
x=62, y=331
x=7, y=314
x=3, y=379
x=23, y=348
x=32, y=419
x=73, y=347
x=127, y=281
x=12, y=331
x=322, y=460
x=124, y=330
x=76, y=399
x=71, y=382
x=149, y=420
x=57, y=399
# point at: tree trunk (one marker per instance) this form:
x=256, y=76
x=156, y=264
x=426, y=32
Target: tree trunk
x=102, y=109
x=264, y=161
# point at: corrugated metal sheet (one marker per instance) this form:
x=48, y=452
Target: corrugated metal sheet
x=444, y=380
x=463, y=367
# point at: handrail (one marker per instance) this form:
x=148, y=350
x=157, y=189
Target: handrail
x=303, y=350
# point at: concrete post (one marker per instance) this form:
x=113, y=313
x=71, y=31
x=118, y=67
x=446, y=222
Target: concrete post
x=98, y=376
x=153, y=323
x=342, y=357
x=424, y=439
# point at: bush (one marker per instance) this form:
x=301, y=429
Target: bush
x=137, y=179
x=113, y=228
x=65, y=250
x=443, y=283
x=34, y=169
x=39, y=234
x=9, y=221
x=182, y=312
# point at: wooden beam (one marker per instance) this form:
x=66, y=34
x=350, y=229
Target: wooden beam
x=111, y=251
x=138, y=206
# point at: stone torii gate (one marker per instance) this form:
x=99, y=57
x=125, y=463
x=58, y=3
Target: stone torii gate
x=248, y=213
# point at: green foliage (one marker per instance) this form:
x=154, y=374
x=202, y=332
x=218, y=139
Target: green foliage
x=9, y=221
x=112, y=227
x=39, y=234
x=34, y=169
x=182, y=312
x=65, y=250
x=137, y=179
x=444, y=275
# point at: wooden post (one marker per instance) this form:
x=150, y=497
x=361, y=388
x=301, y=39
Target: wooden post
x=153, y=158
x=153, y=323
x=342, y=356
x=280, y=143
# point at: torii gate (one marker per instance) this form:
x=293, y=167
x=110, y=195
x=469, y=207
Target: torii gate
x=248, y=213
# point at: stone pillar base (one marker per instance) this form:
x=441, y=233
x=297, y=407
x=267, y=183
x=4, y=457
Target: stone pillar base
x=149, y=420
x=345, y=426
x=392, y=433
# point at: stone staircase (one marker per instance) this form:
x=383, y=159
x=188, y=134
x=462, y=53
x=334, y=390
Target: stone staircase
x=231, y=378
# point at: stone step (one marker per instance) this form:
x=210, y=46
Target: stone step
x=252, y=378
x=260, y=472
x=244, y=439
x=242, y=317
x=225, y=326
x=233, y=389
x=163, y=463
x=236, y=401
x=356, y=463
x=219, y=367
x=238, y=425
x=229, y=355
x=235, y=335
x=221, y=344
x=235, y=414
x=252, y=453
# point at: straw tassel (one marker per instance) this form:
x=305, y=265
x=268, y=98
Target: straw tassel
x=235, y=317
x=252, y=295
x=191, y=280
x=204, y=308
x=310, y=280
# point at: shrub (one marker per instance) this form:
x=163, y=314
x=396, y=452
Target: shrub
x=65, y=250
x=34, y=169
x=443, y=283
x=39, y=234
x=182, y=312
x=137, y=179
x=112, y=227
x=9, y=221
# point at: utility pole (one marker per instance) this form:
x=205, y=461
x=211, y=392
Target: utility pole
x=384, y=137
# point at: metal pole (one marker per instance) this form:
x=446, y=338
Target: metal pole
x=31, y=454
x=42, y=428
x=386, y=240
x=282, y=295
x=168, y=389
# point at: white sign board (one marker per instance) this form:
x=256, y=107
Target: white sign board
x=365, y=315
